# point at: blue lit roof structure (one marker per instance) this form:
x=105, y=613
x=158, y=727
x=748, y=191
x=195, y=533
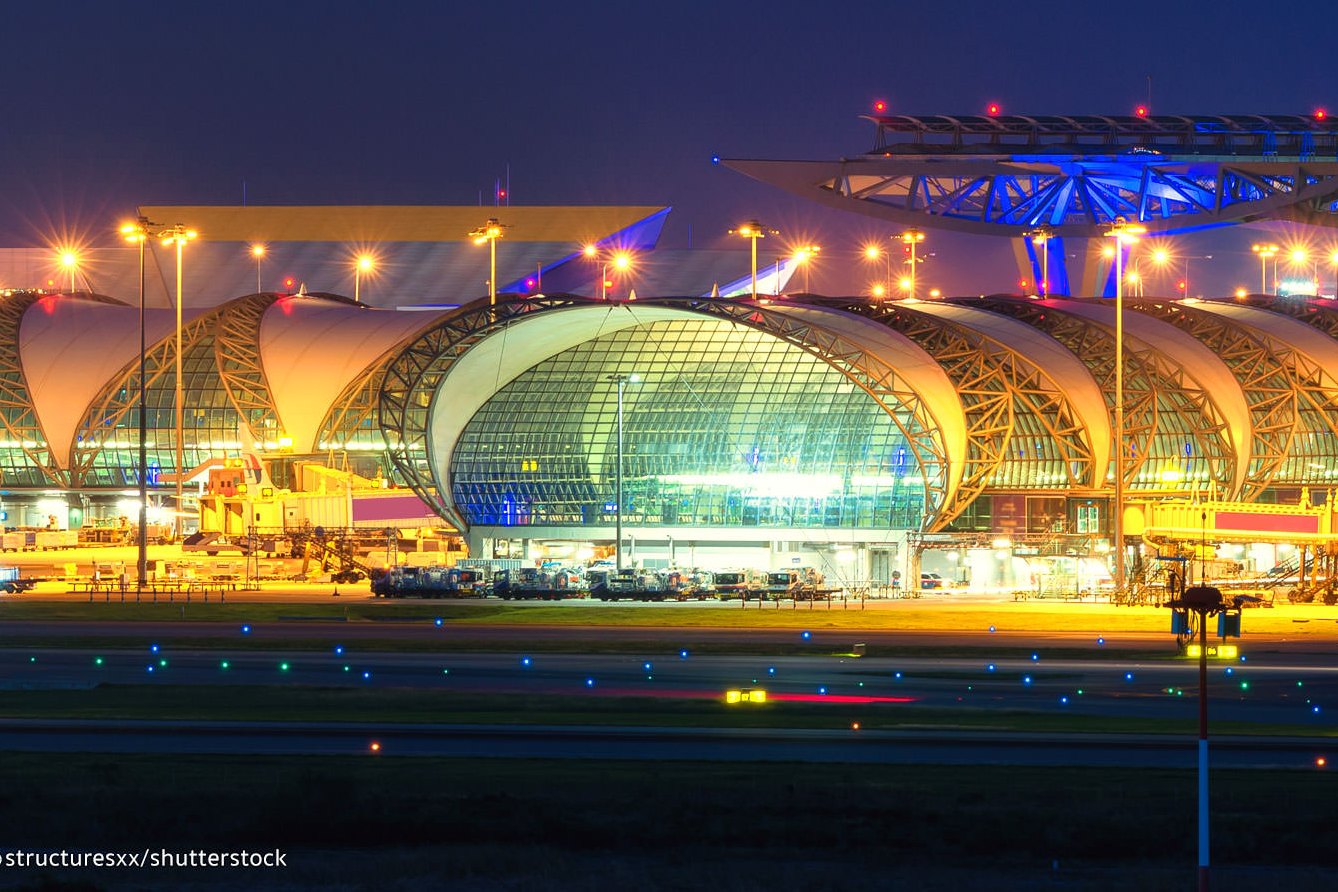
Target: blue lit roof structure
x=1076, y=174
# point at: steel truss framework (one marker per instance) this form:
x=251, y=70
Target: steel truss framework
x=106, y=417
x=237, y=349
x=996, y=385
x=1154, y=385
x=17, y=415
x=1287, y=391
x=412, y=379
x=1075, y=175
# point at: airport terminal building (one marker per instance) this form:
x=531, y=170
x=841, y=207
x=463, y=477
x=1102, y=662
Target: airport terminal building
x=832, y=432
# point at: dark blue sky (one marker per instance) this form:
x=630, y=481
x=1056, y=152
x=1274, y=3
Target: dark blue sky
x=106, y=106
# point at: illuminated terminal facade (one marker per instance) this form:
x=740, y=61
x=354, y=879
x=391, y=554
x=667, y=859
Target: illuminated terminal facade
x=831, y=432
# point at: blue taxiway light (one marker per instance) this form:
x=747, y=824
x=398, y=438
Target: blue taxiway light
x=339, y=650
x=1128, y=676
x=1035, y=657
x=771, y=670
x=525, y=661
x=366, y=675
x=682, y=654
x=806, y=635
x=992, y=628
x=246, y=630
x=646, y=666
x=990, y=667
x=153, y=648
x=1026, y=679
x=437, y=621
x=589, y=682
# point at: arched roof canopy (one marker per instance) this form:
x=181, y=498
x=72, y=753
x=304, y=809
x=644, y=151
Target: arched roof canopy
x=422, y=417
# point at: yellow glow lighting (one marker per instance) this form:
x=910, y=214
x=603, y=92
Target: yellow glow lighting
x=1220, y=651
x=622, y=261
x=257, y=250
x=872, y=252
x=1161, y=255
x=366, y=262
x=589, y=250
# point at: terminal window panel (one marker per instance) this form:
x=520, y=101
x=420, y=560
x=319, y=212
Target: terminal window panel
x=208, y=422
x=724, y=426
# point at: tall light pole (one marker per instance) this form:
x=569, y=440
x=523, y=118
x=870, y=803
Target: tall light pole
x=178, y=236
x=1123, y=234
x=1333, y=259
x=912, y=237
x=364, y=263
x=1041, y=236
x=621, y=261
x=138, y=233
x=804, y=257
x=873, y=252
x=1299, y=256
x=621, y=380
x=70, y=260
x=258, y=254
x=752, y=230
x=490, y=232
x=1265, y=251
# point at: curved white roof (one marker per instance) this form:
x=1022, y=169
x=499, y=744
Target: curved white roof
x=1201, y=364
x=1052, y=358
x=1285, y=332
x=311, y=349
x=71, y=348
x=499, y=359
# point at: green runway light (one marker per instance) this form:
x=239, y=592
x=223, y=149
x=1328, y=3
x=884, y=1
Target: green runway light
x=283, y=667
x=224, y=664
x=1244, y=685
x=162, y=663
x=97, y=661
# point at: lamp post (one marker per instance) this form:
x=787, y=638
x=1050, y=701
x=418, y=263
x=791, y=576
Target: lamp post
x=621, y=261
x=1188, y=258
x=138, y=233
x=1265, y=251
x=621, y=380
x=873, y=252
x=1333, y=259
x=1041, y=236
x=804, y=256
x=1123, y=234
x=490, y=232
x=912, y=237
x=178, y=236
x=1299, y=256
x=258, y=254
x=1205, y=601
x=364, y=263
x=70, y=260
x=752, y=230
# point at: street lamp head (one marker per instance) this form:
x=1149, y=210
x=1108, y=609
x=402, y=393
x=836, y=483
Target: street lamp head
x=590, y=250
x=366, y=263
x=1299, y=255
x=1161, y=256
x=1241, y=294
x=1264, y=250
x=879, y=291
x=622, y=261
x=489, y=231
x=69, y=259
x=911, y=236
x=905, y=284
x=258, y=251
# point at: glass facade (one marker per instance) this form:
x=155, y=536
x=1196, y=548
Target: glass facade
x=722, y=426
x=208, y=421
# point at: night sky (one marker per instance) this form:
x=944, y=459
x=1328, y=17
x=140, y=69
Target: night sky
x=109, y=106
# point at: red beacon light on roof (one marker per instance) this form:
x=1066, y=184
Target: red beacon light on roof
x=1320, y=114
x=992, y=108
x=1141, y=111
x=879, y=106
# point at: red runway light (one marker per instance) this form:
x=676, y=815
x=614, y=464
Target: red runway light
x=1141, y=111
x=880, y=106
x=1320, y=114
x=375, y=747
x=993, y=108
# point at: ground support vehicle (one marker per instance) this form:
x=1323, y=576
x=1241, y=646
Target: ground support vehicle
x=530, y=583
x=427, y=582
x=13, y=583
